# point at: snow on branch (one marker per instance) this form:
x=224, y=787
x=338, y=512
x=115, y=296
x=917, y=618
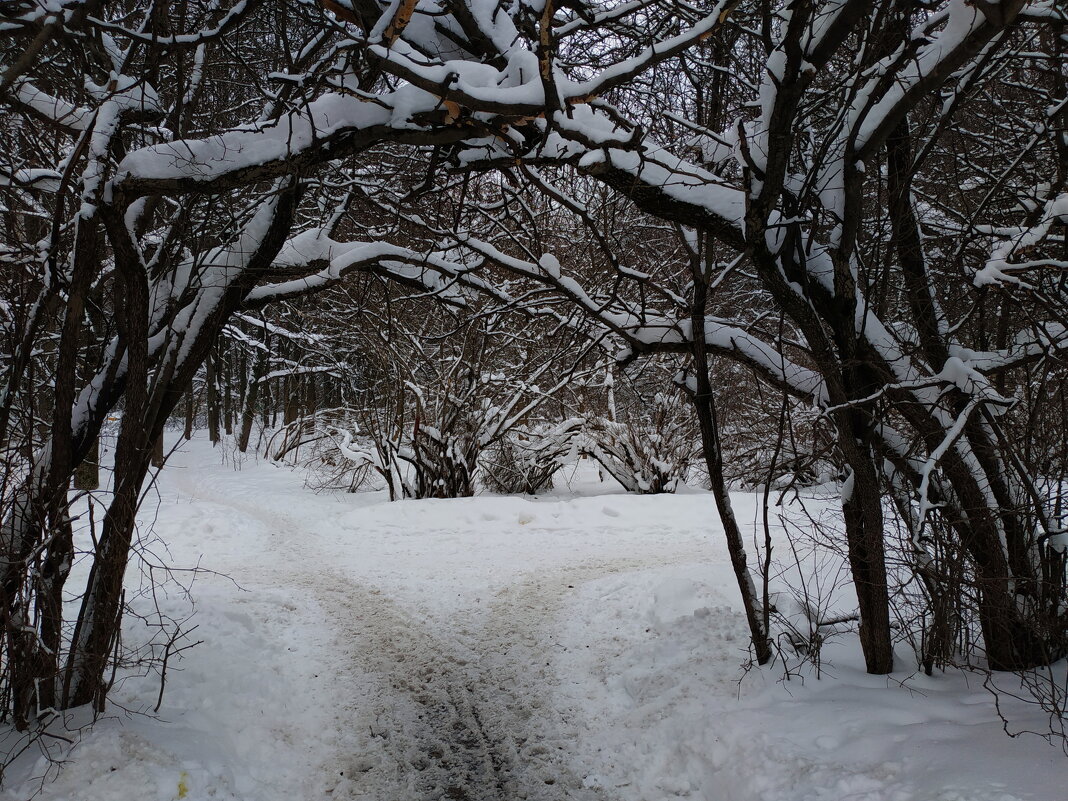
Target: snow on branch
x=430, y=271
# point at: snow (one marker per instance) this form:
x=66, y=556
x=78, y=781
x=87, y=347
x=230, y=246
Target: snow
x=48, y=180
x=941, y=48
x=518, y=88
x=550, y=264
x=483, y=85
x=309, y=247
x=293, y=134
x=669, y=672
x=54, y=108
x=585, y=644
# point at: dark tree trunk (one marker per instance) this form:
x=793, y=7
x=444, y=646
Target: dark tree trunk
x=147, y=406
x=248, y=413
x=38, y=547
x=52, y=577
x=158, y=454
x=311, y=396
x=291, y=403
x=87, y=476
x=1012, y=640
x=704, y=405
x=190, y=412
x=212, y=397
x=100, y=617
x=227, y=377
x=863, y=514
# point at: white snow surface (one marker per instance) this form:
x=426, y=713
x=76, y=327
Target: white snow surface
x=582, y=645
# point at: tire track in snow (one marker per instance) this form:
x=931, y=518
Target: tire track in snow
x=473, y=700
x=461, y=724
x=426, y=718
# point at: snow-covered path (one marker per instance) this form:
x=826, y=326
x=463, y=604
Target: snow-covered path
x=442, y=623
x=457, y=705
x=451, y=664
x=582, y=646
x=435, y=618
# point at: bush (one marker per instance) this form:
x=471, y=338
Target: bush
x=649, y=453
x=526, y=461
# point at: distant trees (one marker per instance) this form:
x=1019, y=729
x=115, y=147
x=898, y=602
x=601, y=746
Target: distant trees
x=863, y=205
x=438, y=391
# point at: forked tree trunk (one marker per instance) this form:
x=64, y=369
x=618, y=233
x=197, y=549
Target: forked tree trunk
x=100, y=616
x=98, y=623
x=97, y=629
x=1012, y=640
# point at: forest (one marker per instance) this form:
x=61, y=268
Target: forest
x=446, y=249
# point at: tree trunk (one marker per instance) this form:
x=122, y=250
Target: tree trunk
x=228, y=399
x=248, y=413
x=147, y=407
x=190, y=412
x=212, y=396
x=706, y=415
x=158, y=455
x=36, y=546
x=291, y=404
x=87, y=476
x=704, y=405
x=100, y=617
x=311, y=395
x=48, y=597
x=863, y=514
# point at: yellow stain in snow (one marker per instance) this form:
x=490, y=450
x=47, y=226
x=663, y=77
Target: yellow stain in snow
x=183, y=785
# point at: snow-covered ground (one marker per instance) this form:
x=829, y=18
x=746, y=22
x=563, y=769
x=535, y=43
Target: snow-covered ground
x=583, y=645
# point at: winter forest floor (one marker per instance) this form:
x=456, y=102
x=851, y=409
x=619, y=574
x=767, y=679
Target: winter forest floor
x=582, y=645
